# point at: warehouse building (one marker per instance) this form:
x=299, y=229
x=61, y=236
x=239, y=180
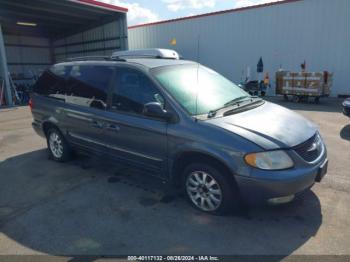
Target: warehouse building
x=284, y=34
x=35, y=34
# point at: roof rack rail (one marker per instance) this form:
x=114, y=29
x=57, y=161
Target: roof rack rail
x=85, y=58
x=94, y=58
x=147, y=53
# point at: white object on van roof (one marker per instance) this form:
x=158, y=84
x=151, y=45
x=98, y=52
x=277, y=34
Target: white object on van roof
x=154, y=53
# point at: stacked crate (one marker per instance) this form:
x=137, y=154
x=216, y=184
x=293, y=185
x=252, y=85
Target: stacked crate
x=328, y=82
x=279, y=80
x=305, y=83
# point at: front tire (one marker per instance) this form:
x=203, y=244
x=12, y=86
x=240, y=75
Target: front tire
x=58, y=147
x=210, y=190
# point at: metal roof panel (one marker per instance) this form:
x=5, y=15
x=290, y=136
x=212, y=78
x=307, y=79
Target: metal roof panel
x=102, y=5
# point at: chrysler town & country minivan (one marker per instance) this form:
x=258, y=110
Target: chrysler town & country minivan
x=181, y=122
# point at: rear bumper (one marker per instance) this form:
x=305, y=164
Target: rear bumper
x=288, y=182
x=38, y=128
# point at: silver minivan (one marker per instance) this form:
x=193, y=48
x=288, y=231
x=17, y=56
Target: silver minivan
x=181, y=122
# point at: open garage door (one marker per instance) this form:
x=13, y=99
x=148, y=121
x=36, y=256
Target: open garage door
x=39, y=33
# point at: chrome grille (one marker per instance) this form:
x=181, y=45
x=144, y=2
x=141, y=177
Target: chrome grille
x=311, y=149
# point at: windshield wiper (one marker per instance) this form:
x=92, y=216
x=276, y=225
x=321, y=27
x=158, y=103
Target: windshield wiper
x=235, y=101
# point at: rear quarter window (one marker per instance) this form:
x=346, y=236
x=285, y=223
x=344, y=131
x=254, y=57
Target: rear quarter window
x=53, y=82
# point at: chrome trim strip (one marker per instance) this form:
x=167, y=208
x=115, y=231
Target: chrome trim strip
x=79, y=117
x=114, y=147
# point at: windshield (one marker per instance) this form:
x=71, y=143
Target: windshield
x=186, y=81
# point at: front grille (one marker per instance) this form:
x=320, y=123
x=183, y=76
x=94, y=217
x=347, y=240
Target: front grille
x=311, y=149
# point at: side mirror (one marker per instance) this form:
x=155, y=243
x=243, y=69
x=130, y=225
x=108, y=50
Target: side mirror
x=155, y=109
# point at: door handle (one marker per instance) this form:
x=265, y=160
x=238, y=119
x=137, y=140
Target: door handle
x=97, y=124
x=113, y=127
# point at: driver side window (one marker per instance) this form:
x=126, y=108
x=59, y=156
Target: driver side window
x=133, y=90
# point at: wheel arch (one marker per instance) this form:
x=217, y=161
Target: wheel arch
x=49, y=124
x=185, y=158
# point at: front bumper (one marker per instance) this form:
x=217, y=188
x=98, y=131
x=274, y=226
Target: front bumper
x=281, y=184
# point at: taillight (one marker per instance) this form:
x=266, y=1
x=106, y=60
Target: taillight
x=30, y=103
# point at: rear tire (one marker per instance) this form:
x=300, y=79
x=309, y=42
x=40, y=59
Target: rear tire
x=208, y=189
x=58, y=147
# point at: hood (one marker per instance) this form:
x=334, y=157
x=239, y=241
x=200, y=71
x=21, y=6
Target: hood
x=270, y=126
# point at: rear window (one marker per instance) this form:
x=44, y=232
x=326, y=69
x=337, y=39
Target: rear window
x=83, y=85
x=53, y=81
x=89, y=84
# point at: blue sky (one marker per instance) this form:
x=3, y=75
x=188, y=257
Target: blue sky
x=146, y=11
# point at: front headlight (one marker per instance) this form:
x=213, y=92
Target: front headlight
x=269, y=160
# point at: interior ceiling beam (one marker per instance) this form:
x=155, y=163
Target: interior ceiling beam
x=13, y=30
x=47, y=30
x=71, y=5
x=39, y=28
x=48, y=10
x=6, y=23
x=36, y=18
x=54, y=18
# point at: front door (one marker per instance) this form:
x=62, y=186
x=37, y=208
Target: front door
x=132, y=136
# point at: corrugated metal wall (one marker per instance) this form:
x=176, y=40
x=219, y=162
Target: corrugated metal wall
x=284, y=35
x=26, y=55
x=101, y=40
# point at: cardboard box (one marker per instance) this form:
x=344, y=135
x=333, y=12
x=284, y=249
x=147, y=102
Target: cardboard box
x=307, y=83
x=279, y=81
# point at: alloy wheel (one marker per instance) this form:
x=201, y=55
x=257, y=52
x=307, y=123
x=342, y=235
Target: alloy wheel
x=56, y=145
x=204, y=191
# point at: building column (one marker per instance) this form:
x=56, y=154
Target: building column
x=123, y=29
x=4, y=70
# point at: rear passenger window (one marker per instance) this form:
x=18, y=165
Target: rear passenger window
x=133, y=90
x=89, y=84
x=53, y=82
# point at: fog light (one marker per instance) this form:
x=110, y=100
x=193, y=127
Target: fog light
x=280, y=200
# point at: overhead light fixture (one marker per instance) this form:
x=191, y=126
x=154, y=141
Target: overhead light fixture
x=26, y=23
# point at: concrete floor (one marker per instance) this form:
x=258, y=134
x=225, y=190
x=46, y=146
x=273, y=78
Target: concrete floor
x=90, y=207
